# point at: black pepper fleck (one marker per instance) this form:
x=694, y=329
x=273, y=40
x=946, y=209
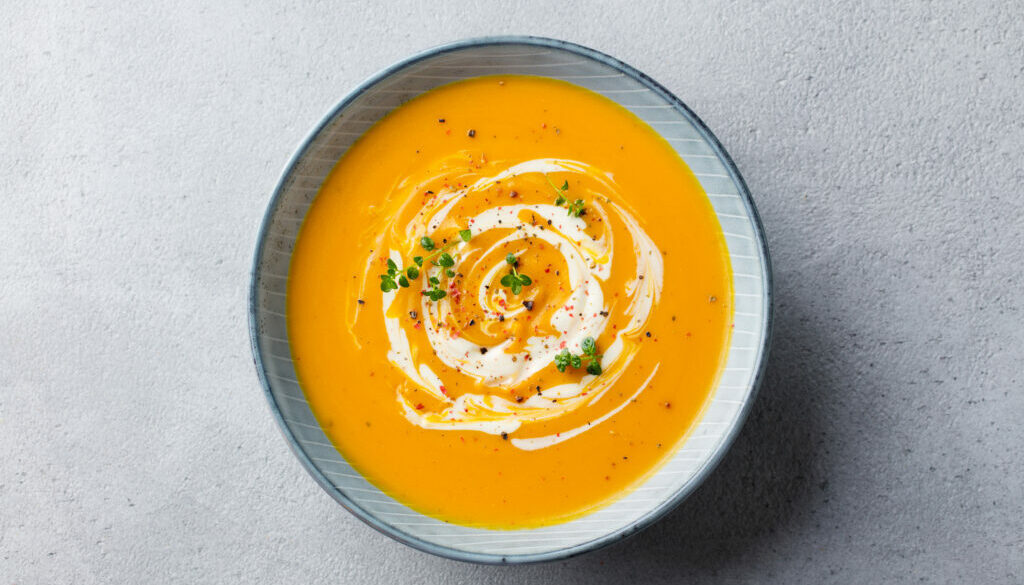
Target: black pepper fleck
x=528, y=305
x=501, y=318
x=472, y=133
x=413, y=314
x=504, y=436
x=483, y=350
x=361, y=302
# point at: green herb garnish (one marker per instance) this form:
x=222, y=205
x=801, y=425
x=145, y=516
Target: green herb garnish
x=387, y=280
x=564, y=359
x=514, y=280
x=576, y=208
x=393, y=278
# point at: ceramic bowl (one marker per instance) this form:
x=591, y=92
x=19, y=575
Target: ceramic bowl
x=707, y=441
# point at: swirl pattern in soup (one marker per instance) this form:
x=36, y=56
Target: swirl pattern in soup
x=509, y=302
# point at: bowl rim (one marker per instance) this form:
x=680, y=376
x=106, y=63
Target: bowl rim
x=656, y=512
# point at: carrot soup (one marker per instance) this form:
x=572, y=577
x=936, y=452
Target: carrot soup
x=509, y=302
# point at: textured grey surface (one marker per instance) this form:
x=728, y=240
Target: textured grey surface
x=138, y=146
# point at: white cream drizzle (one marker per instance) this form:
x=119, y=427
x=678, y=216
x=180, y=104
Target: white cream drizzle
x=589, y=263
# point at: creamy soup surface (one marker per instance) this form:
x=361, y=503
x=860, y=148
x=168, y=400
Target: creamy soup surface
x=509, y=302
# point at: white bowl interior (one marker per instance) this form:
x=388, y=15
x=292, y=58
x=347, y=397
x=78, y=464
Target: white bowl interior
x=722, y=416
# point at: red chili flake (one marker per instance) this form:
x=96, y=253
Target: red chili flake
x=444, y=390
x=419, y=406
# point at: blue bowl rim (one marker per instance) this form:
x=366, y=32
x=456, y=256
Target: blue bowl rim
x=656, y=513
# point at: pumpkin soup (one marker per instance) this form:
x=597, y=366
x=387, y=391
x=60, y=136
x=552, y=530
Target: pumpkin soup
x=509, y=302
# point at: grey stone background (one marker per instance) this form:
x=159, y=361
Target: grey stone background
x=883, y=144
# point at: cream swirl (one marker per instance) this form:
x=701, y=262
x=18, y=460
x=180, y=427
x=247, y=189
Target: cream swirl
x=499, y=345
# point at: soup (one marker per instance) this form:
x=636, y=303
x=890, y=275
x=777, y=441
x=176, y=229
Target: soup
x=509, y=302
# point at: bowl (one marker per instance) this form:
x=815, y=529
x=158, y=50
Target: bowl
x=702, y=448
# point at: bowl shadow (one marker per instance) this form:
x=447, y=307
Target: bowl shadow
x=771, y=477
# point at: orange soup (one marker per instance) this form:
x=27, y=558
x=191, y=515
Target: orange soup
x=509, y=302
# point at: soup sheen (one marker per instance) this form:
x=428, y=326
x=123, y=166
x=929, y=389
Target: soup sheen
x=564, y=234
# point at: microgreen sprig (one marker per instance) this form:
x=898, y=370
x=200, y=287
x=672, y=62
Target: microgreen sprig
x=434, y=293
x=514, y=280
x=394, y=277
x=564, y=359
x=575, y=208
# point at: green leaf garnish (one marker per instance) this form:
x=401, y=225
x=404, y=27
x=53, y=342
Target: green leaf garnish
x=588, y=346
x=393, y=278
x=514, y=280
x=562, y=360
x=576, y=208
x=565, y=359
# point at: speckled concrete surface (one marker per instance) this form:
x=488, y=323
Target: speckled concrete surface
x=138, y=145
